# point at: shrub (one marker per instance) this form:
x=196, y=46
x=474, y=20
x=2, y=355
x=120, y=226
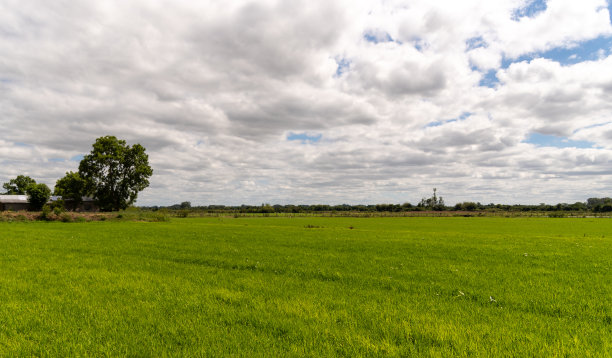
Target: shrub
x=57, y=210
x=46, y=212
x=160, y=216
x=65, y=217
x=58, y=204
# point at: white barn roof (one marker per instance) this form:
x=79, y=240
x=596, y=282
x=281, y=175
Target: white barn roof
x=13, y=199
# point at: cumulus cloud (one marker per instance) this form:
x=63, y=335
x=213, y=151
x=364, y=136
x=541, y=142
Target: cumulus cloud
x=391, y=91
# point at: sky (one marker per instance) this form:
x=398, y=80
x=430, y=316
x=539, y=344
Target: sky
x=306, y=102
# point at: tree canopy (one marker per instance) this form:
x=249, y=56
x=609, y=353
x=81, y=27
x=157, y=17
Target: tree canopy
x=433, y=203
x=70, y=187
x=38, y=195
x=115, y=172
x=19, y=185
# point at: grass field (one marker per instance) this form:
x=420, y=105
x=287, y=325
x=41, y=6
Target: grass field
x=307, y=287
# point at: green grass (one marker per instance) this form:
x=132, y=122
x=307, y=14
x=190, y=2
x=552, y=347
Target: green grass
x=307, y=287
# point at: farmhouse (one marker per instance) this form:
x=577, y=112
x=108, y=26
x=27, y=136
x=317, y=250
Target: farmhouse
x=20, y=202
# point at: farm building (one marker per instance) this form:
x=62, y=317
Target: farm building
x=87, y=204
x=20, y=202
x=14, y=202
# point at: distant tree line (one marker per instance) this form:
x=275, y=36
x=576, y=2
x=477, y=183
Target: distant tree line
x=433, y=203
x=405, y=207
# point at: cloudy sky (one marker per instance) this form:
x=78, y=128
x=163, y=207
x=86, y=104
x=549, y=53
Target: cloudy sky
x=245, y=102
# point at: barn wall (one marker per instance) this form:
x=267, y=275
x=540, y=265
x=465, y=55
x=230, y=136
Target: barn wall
x=15, y=206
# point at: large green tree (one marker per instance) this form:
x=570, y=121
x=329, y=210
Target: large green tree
x=19, y=185
x=38, y=195
x=115, y=172
x=71, y=187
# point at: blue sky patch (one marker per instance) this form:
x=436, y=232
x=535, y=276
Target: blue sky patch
x=462, y=117
x=434, y=124
x=21, y=144
x=419, y=44
x=377, y=36
x=593, y=126
x=584, y=51
x=533, y=8
x=475, y=42
x=77, y=158
x=543, y=140
x=343, y=66
x=304, y=137
x=56, y=160
x=489, y=79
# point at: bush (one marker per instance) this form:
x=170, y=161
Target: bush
x=58, y=204
x=160, y=216
x=65, y=217
x=183, y=213
x=46, y=212
x=57, y=210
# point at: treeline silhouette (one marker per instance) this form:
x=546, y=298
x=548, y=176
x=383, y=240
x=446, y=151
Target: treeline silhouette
x=591, y=205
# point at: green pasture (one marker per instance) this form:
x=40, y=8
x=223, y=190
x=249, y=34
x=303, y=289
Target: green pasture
x=284, y=286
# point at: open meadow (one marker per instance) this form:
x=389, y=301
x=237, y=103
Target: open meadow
x=307, y=287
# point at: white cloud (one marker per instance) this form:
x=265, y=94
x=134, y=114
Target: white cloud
x=212, y=88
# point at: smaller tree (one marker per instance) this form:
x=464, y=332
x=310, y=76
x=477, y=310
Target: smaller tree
x=19, y=185
x=433, y=203
x=71, y=187
x=38, y=195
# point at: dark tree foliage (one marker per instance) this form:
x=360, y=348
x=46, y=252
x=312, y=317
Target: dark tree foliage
x=71, y=187
x=600, y=204
x=19, y=185
x=389, y=208
x=433, y=203
x=38, y=195
x=467, y=205
x=115, y=172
